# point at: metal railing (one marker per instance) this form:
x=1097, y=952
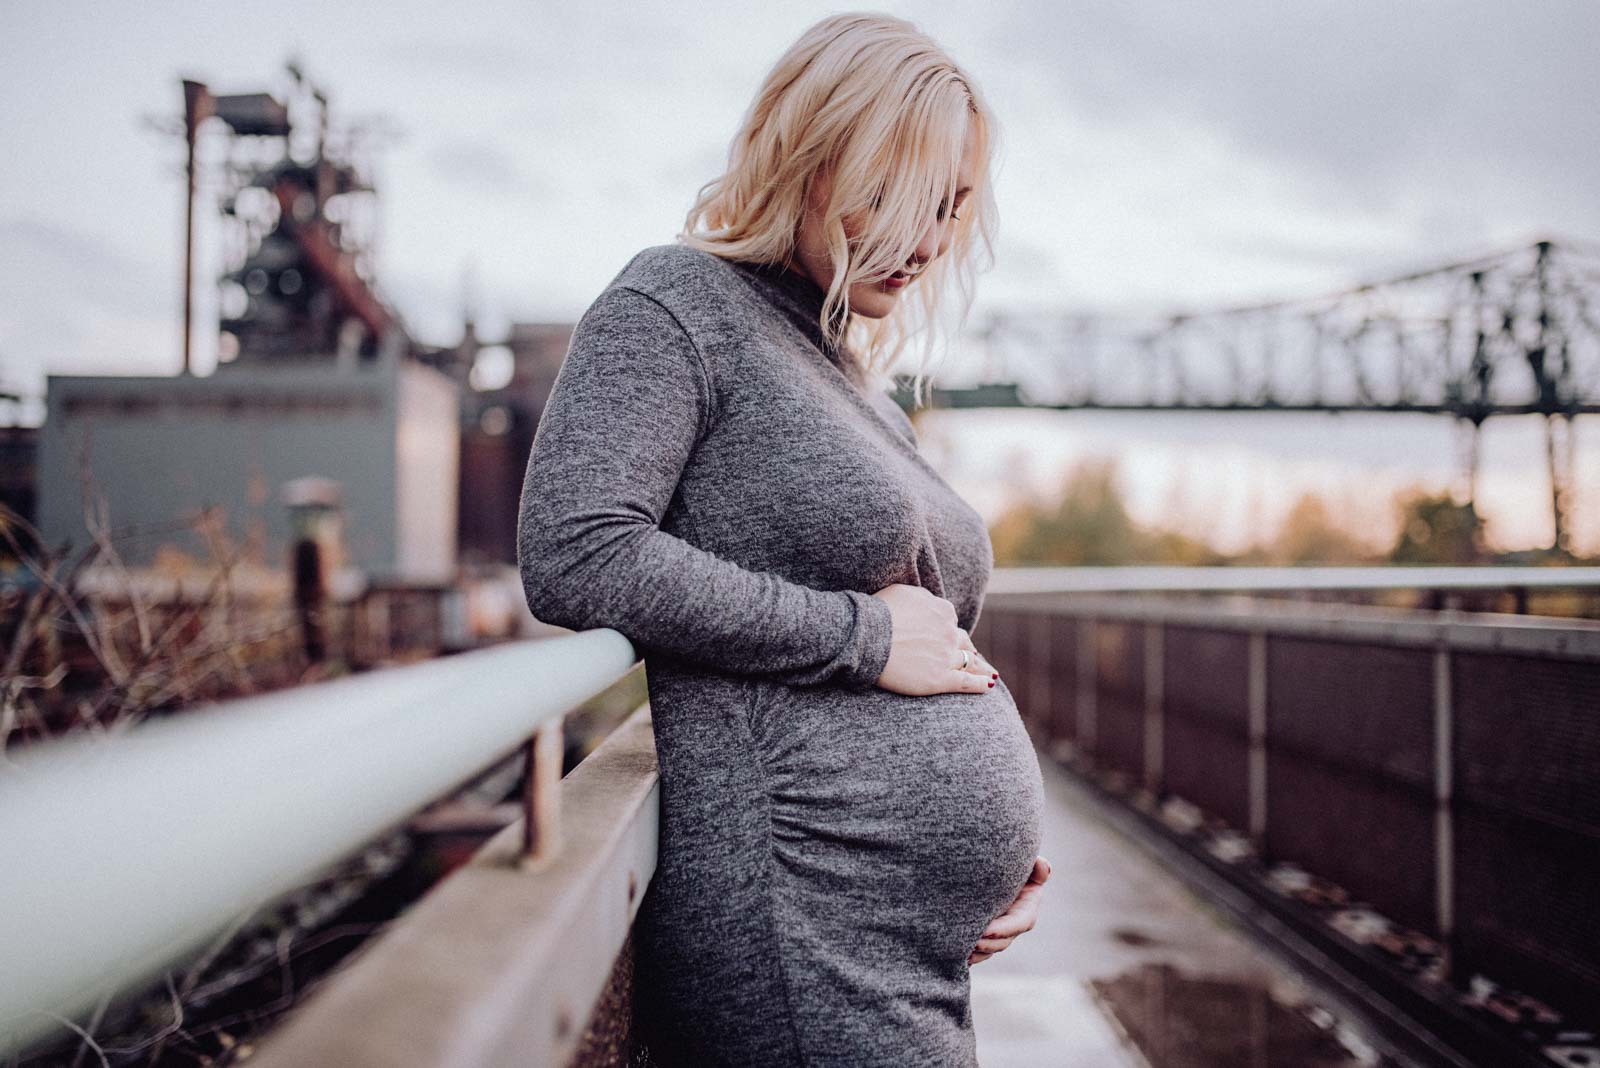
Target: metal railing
x=1245, y=580
x=1439, y=766
x=500, y=966
x=122, y=854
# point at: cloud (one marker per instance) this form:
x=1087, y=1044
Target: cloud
x=78, y=304
x=1369, y=108
x=486, y=168
x=50, y=257
x=485, y=56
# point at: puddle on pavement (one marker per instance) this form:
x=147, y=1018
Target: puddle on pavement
x=1182, y=1021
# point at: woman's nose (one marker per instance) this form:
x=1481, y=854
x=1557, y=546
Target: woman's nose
x=930, y=244
x=934, y=241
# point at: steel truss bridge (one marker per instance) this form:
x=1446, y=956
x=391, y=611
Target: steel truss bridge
x=1512, y=333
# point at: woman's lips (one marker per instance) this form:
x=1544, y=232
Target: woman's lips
x=896, y=280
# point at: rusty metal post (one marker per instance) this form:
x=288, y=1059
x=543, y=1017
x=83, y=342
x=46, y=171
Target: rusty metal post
x=197, y=107
x=310, y=598
x=541, y=797
x=315, y=552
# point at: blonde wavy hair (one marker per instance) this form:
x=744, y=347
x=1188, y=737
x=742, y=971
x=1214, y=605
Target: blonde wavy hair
x=885, y=111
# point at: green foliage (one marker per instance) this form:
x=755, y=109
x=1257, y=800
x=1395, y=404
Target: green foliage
x=1434, y=529
x=1310, y=534
x=1089, y=525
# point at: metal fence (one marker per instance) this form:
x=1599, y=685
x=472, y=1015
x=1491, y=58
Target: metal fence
x=1444, y=767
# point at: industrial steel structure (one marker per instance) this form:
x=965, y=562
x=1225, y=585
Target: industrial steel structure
x=299, y=225
x=1512, y=333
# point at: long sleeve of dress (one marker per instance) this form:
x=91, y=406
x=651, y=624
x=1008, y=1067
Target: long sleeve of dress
x=628, y=405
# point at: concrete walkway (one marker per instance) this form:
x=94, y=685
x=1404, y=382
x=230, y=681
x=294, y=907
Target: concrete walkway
x=1127, y=968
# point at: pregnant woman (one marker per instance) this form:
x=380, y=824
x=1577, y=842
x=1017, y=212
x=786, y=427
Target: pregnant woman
x=850, y=805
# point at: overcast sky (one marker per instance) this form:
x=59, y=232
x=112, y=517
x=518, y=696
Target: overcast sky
x=1153, y=154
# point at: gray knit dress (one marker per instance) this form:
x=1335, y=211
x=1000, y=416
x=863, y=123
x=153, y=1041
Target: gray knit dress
x=711, y=479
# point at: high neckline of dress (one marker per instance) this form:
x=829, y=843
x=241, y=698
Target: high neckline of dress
x=800, y=300
x=796, y=294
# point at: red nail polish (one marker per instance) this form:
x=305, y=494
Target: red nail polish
x=994, y=674
x=991, y=683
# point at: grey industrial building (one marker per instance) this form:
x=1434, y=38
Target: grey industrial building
x=160, y=449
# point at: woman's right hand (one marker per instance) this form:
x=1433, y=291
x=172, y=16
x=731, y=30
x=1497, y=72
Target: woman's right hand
x=926, y=645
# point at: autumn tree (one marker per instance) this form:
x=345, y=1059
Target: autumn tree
x=1088, y=524
x=1434, y=529
x=1310, y=535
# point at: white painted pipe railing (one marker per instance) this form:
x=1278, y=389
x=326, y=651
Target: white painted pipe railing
x=123, y=854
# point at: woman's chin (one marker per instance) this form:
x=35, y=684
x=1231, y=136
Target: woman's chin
x=875, y=303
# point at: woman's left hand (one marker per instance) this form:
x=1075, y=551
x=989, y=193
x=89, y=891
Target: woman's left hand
x=1004, y=928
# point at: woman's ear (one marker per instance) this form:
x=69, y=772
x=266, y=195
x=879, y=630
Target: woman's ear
x=818, y=190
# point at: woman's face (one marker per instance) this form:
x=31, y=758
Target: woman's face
x=877, y=299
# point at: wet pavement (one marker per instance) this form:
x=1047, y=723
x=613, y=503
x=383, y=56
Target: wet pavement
x=1126, y=967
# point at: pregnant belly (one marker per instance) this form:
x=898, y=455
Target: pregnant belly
x=916, y=818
